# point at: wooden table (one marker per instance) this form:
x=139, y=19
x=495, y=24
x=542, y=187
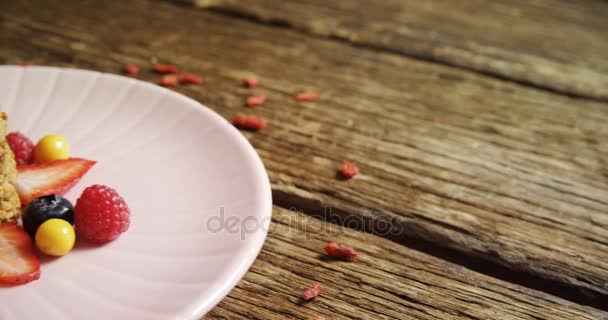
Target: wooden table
x=480, y=129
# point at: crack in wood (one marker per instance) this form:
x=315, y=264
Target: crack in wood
x=477, y=263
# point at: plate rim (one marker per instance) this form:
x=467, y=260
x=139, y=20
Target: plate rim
x=203, y=303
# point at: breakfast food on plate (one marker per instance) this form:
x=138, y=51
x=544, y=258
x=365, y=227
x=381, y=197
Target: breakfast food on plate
x=55, y=237
x=9, y=200
x=18, y=261
x=50, y=148
x=101, y=214
x=22, y=147
x=36, y=177
x=56, y=177
x=44, y=208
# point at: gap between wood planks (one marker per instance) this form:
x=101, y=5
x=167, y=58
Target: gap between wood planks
x=574, y=294
x=281, y=23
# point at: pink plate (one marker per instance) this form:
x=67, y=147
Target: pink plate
x=198, y=192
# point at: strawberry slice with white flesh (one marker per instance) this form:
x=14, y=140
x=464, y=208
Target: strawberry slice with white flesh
x=18, y=261
x=55, y=177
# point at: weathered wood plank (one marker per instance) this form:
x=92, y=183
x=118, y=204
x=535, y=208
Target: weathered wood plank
x=511, y=174
x=553, y=44
x=389, y=281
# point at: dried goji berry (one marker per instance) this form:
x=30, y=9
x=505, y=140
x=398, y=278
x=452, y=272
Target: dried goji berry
x=169, y=80
x=306, y=96
x=256, y=100
x=349, y=169
x=341, y=252
x=318, y=318
x=190, y=78
x=314, y=291
x=249, y=122
x=165, y=68
x=24, y=63
x=250, y=82
x=131, y=69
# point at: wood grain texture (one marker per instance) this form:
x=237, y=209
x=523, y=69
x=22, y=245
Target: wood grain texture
x=553, y=44
x=389, y=281
x=496, y=170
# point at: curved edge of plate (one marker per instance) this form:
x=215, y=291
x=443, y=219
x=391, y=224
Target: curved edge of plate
x=202, y=305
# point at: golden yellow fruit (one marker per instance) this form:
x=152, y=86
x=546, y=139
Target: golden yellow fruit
x=51, y=147
x=55, y=237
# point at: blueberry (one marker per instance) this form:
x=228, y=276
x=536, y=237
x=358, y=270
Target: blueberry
x=44, y=208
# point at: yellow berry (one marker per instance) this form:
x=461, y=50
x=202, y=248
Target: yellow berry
x=55, y=237
x=51, y=147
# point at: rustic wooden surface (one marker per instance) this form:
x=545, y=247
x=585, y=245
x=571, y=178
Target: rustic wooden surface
x=388, y=282
x=552, y=44
x=474, y=154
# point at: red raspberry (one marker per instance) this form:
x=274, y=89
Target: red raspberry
x=100, y=214
x=22, y=147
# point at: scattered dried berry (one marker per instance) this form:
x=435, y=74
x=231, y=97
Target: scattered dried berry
x=306, y=96
x=131, y=69
x=169, y=80
x=318, y=318
x=24, y=63
x=314, y=291
x=256, y=100
x=341, y=252
x=189, y=78
x=249, y=122
x=250, y=82
x=165, y=68
x=349, y=170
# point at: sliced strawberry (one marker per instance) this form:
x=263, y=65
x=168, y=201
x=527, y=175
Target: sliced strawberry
x=18, y=261
x=55, y=177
